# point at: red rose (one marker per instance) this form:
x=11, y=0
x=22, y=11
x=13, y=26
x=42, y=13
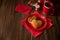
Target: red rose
x=47, y=24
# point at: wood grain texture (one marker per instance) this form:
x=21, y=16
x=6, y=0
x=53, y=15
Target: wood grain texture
x=12, y=29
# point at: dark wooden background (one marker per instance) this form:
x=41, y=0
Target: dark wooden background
x=12, y=29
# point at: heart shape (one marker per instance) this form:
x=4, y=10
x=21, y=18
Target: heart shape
x=35, y=22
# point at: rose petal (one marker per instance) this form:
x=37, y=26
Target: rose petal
x=49, y=23
x=23, y=9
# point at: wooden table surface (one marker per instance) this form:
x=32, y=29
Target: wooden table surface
x=12, y=29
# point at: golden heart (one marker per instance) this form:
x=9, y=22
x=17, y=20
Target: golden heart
x=35, y=23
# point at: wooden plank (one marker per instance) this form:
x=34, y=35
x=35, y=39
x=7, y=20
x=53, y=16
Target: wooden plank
x=12, y=29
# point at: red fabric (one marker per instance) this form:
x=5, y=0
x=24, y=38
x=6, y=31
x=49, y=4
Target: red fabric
x=31, y=30
x=49, y=24
x=36, y=32
x=23, y=9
